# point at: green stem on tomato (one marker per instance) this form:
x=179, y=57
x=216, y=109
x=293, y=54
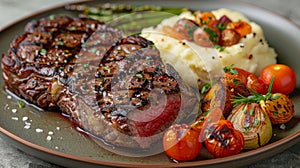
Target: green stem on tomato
x=255, y=98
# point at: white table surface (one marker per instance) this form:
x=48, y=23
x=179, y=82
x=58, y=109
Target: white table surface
x=12, y=10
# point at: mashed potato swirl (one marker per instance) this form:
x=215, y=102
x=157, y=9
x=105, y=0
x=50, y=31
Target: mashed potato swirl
x=199, y=64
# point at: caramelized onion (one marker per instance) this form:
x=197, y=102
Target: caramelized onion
x=253, y=122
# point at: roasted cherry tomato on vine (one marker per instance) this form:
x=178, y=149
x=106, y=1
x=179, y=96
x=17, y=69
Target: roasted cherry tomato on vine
x=207, y=18
x=251, y=81
x=223, y=140
x=181, y=142
x=243, y=28
x=284, y=78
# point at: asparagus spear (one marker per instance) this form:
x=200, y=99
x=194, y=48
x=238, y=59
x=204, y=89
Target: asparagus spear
x=130, y=19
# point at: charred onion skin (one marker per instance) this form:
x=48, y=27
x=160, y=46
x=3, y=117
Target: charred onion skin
x=253, y=122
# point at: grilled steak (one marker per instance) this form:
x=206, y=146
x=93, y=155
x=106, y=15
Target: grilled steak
x=114, y=87
x=38, y=55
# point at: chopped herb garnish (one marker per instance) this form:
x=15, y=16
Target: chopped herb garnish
x=152, y=47
x=205, y=88
x=119, y=50
x=138, y=76
x=97, y=42
x=202, y=21
x=206, y=113
x=252, y=112
x=275, y=113
x=84, y=44
x=107, y=68
x=93, y=50
x=246, y=125
x=51, y=17
x=222, y=26
x=73, y=28
x=213, y=36
x=246, y=131
x=60, y=43
x=191, y=30
x=275, y=96
x=102, y=78
x=230, y=70
x=256, y=122
x=103, y=36
x=43, y=51
x=218, y=47
x=86, y=66
x=235, y=81
x=21, y=104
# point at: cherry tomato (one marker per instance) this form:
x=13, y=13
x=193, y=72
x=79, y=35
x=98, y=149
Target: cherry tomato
x=285, y=78
x=208, y=18
x=229, y=37
x=181, y=142
x=253, y=82
x=186, y=27
x=203, y=121
x=223, y=140
x=243, y=28
x=250, y=80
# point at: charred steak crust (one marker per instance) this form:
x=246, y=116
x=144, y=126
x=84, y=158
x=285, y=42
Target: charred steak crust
x=39, y=55
x=112, y=86
x=130, y=97
x=130, y=90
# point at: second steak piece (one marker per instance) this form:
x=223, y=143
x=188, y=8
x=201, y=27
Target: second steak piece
x=130, y=98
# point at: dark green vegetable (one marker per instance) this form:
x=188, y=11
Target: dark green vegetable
x=131, y=19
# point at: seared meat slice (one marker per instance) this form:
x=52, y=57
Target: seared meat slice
x=131, y=98
x=36, y=57
x=114, y=87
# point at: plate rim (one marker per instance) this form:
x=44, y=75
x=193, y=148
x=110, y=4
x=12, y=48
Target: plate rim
x=293, y=137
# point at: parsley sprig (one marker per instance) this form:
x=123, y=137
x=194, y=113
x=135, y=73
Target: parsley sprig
x=230, y=69
x=256, y=97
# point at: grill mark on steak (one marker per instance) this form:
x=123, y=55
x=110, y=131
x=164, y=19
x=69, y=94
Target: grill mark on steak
x=114, y=87
x=40, y=54
x=134, y=93
x=137, y=74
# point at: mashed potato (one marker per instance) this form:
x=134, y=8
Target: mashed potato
x=196, y=63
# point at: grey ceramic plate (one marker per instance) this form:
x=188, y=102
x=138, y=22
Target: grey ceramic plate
x=51, y=137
